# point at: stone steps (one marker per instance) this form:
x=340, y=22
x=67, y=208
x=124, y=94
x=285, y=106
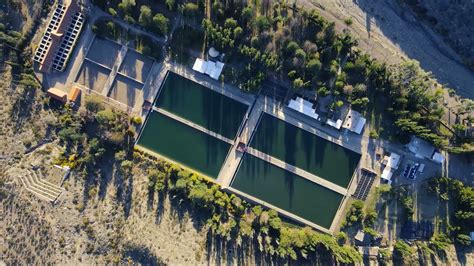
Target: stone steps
x=35, y=191
x=40, y=187
x=41, y=180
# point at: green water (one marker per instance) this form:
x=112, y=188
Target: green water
x=287, y=191
x=201, y=105
x=305, y=150
x=184, y=144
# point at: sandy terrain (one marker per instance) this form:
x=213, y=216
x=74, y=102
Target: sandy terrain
x=391, y=33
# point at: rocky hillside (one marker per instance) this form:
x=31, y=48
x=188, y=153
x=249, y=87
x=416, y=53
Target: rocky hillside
x=453, y=19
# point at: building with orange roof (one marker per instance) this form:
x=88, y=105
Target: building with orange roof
x=74, y=94
x=57, y=94
x=60, y=36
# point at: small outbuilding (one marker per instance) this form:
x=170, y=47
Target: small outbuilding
x=303, y=106
x=354, y=121
x=74, y=95
x=392, y=161
x=438, y=157
x=57, y=94
x=421, y=148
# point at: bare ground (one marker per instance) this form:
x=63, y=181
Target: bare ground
x=392, y=33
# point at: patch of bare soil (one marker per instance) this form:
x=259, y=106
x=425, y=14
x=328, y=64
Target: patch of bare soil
x=392, y=33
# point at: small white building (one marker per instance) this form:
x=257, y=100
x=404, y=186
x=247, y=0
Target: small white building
x=387, y=175
x=303, y=106
x=354, y=121
x=421, y=148
x=392, y=161
x=391, y=164
x=438, y=157
x=335, y=124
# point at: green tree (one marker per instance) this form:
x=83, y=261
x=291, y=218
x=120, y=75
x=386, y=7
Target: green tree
x=463, y=239
x=247, y=13
x=262, y=23
x=112, y=12
x=126, y=6
x=145, y=17
x=105, y=117
x=161, y=23
x=230, y=23
x=323, y=91
x=237, y=32
x=298, y=83
x=190, y=9
x=403, y=250
x=170, y=4
x=93, y=103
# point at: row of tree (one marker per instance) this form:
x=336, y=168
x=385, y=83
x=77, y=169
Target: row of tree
x=461, y=197
x=236, y=221
x=142, y=15
x=304, y=47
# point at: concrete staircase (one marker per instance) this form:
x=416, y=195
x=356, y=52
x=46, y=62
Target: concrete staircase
x=36, y=184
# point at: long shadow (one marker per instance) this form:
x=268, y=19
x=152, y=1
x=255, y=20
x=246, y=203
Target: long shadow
x=420, y=43
x=140, y=255
x=128, y=199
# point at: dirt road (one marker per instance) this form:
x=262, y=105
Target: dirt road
x=392, y=33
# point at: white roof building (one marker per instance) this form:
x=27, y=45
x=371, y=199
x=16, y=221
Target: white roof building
x=421, y=148
x=391, y=161
x=335, y=124
x=387, y=175
x=210, y=68
x=438, y=157
x=303, y=106
x=354, y=121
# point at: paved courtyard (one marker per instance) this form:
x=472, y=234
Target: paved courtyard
x=127, y=91
x=92, y=76
x=136, y=66
x=104, y=52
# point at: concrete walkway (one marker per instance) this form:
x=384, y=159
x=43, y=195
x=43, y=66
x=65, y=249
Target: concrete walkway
x=298, y=171
x=193, y=125
x=115, y=68
x=234, y=157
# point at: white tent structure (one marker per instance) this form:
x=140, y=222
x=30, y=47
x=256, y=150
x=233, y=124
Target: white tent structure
x=303, y=106
x=354, y=121
x=210, y=68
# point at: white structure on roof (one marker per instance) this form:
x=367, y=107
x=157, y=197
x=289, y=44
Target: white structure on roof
x=210, y=68
x=303, y=106
x=354, y=121
x=391, y=161
x=438, y=157
x=335, y=124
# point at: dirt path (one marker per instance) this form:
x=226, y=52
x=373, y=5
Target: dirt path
x=389, y=32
